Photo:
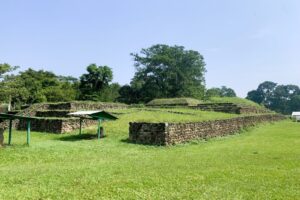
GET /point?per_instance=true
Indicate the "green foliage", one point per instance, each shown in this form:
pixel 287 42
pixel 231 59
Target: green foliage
pixel 164 71
pixel 176 115
pixel 220 92
pixel 235 100
pixel 13 90
pixel 129 95
pixel 258 164
pixel 32 86
pixel 109 93
pixel 174 101
pixel 3 108
pixel 92 83
pixel 5 68
pixel 280 98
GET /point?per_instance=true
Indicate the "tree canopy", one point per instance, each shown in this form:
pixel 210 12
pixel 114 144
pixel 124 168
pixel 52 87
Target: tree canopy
pixel 280 98
pixel 164 71
pixel 4 68
pixel 96 84
pixel 220 92
pixel 33 86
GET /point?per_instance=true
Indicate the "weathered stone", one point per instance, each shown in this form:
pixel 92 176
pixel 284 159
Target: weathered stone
pixel 230 108
pixel 53 117
pixel 174 133
pixel 1 137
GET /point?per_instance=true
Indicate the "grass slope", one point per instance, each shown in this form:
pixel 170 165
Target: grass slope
pixel 263 163
pixel 174 101
pixel 168 115
pixel 235 100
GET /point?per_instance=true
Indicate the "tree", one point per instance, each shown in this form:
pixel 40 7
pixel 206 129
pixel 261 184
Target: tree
pixel 4 68
pixel 263 94
pixel 109 93
pixel 280 98
pixel 32 86
pixel 129 95
pixel 220 92
pixel 294 103
pixel 92 83
pixel 36 83
pixel 13 90
pixel 168 71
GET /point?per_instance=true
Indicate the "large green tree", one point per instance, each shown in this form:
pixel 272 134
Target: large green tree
pixel 164 71
pixel 95 82
pixel 280 98
pixel 33 86
pixel 5 68
pixel 220 92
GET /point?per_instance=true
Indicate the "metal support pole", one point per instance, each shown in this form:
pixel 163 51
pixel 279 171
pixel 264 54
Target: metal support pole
pixel 80 128
pixel 99 126
pixel 28 132
pixel 9 131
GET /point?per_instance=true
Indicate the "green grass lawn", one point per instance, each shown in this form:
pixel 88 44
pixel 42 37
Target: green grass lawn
pixel 167 115
pixel 174 101
pixel 262 163
pixel 235 100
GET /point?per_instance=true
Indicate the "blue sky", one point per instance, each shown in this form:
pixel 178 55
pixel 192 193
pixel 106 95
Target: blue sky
pixel 244 42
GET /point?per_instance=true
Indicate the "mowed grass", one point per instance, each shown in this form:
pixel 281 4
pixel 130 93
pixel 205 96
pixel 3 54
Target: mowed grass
pixel 261 163
pixel 235 100
pixel 168 115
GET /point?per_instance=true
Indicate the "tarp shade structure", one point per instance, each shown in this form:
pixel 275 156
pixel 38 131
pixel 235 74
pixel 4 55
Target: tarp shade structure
pixel 98 115
pixel 296 115
pixel 11 117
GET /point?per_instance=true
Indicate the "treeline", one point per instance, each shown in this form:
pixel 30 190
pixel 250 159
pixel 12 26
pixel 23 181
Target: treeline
pixel 280 98
pixel 162 71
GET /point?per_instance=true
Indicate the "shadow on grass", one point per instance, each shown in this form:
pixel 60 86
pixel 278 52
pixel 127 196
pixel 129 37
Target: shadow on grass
pixel 72 138
pixel 141 144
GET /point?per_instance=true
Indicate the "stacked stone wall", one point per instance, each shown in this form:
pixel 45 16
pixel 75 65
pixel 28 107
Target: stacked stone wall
pixel 55 125
pixel 174 133
pixel 53 117
pixel 230 108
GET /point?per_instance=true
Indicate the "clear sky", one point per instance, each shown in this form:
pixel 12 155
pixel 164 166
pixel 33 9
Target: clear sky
pixel 244 42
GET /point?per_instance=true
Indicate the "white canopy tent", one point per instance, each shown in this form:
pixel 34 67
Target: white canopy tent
pixel 296 116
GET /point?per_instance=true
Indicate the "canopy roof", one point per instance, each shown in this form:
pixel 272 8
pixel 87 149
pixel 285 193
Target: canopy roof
pixel 95 114
pixel 296 114
pixel 10 116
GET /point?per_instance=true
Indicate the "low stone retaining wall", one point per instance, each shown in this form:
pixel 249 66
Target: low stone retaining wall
pixel 55 125
pixel 230 108
pixel 174 133
pixel 52 113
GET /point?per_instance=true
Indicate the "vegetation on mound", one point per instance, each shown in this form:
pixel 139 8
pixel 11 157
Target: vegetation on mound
pixel 174 101
pixel 259 164
pixel 170 115
pixel 235 100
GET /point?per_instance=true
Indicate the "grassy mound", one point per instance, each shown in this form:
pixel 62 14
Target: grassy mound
pixel 174 101
pixel 158 115
pixel 235 100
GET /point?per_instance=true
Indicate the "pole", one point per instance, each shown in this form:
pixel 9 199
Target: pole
pixel 99 125
pixel 80 126
pixel 9 131
pixel 28 132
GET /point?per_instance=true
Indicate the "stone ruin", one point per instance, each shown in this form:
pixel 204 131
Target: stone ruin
pixel 231 108
pixel 174 133
pixel 54 118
